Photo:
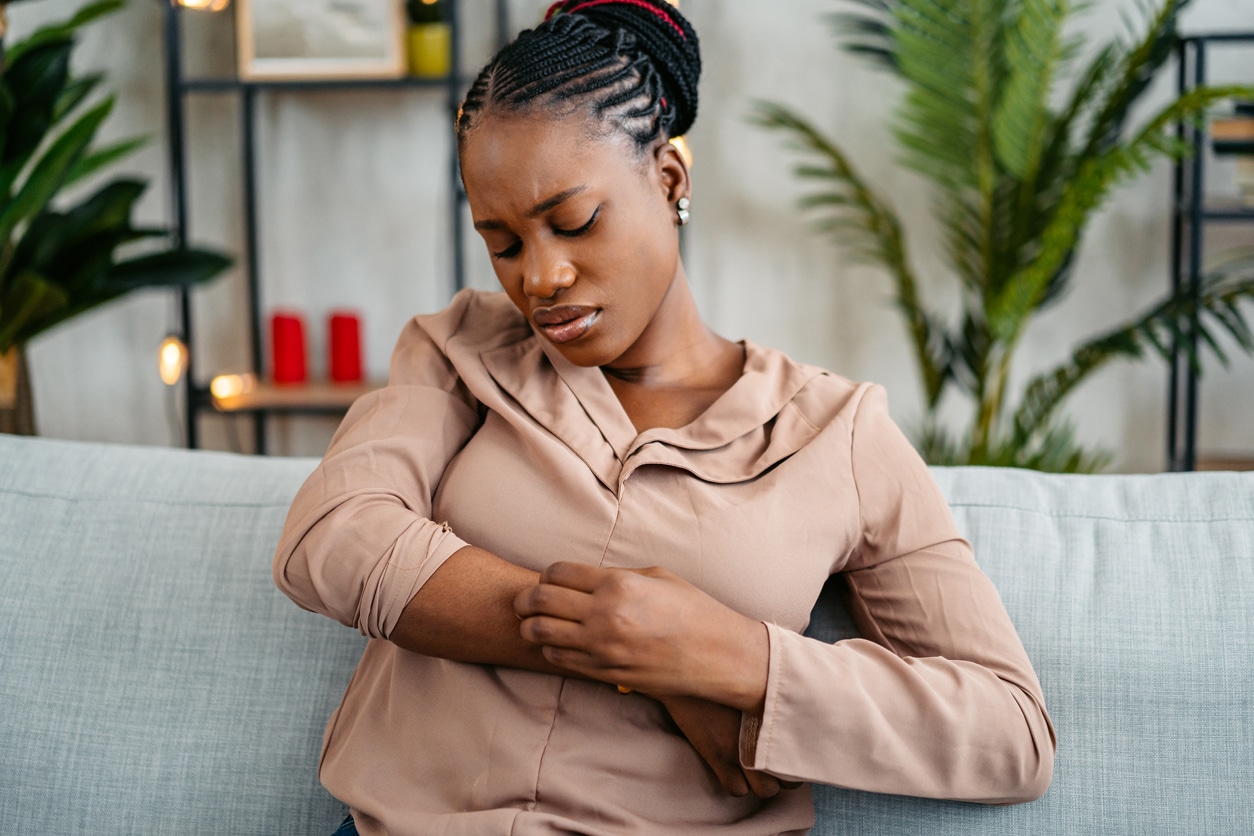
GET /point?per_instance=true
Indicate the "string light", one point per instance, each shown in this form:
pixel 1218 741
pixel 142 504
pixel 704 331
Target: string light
pixel 172 360
pixel 226 386
pixel 203 5
pixel 684 151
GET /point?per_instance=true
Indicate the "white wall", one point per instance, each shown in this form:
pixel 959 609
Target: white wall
pixel 353 191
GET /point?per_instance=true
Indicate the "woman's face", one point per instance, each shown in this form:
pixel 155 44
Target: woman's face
pixel 581 231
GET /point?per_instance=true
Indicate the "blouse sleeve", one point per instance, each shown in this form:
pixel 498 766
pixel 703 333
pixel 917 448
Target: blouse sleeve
pixel 938 699
pixel 359 540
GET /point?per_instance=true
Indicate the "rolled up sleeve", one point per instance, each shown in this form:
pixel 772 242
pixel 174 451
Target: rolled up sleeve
pixel 359 540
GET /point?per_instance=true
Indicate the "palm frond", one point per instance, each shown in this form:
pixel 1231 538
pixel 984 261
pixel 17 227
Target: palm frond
pixel 1034 52
pixel 865 223
pixel 1216 308
pixel 1008 312
pixel 1135 71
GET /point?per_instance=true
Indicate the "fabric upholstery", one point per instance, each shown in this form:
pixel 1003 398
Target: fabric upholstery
pixel 153 681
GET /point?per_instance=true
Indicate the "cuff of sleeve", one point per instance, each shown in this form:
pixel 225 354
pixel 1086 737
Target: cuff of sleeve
pixel 441 545
pixel 752 727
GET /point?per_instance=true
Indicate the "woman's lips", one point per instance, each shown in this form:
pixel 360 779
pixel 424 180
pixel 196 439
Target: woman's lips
pixel 564 323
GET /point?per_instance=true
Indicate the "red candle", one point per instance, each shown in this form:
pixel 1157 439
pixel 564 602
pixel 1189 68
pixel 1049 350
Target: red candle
pixel 345 329
pixel 287 348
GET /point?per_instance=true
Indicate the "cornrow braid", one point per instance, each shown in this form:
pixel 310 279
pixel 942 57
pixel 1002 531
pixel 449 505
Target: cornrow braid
pixel 634 64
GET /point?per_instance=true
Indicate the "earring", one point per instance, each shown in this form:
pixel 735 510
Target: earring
pixel 682 208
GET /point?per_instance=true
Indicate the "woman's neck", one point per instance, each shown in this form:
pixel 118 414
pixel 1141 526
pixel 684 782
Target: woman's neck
pixel 677 368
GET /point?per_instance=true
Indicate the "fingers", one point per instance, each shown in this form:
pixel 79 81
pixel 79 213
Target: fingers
pixel 761 784
pixel 577 576
pixel 547 599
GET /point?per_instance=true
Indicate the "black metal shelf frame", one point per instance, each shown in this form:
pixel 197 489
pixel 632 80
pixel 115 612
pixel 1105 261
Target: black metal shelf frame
pixel 1190 214
pixel 179 86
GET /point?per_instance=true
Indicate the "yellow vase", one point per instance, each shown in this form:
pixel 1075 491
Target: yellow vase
pixel 429 45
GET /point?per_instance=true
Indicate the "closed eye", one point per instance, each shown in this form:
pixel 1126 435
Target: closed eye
pixel 510 251
pixel 575 233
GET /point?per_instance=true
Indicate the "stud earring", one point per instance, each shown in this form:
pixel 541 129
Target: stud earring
pixel 682 209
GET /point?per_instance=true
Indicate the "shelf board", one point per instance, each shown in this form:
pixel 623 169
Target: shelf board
pixel 1226 462
pixel 321 397
pixel 1230 210
pixel 229 84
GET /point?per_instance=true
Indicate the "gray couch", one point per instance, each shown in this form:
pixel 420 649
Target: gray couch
pixel 153 681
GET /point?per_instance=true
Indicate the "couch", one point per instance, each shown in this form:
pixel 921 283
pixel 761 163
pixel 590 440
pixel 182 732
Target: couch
pixel 153 681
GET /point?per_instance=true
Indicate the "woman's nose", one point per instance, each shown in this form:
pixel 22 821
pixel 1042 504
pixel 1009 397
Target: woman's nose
pixel 547 272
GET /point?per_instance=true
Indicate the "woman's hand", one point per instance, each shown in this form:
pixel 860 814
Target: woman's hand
pixel 648 630
pixel 714 731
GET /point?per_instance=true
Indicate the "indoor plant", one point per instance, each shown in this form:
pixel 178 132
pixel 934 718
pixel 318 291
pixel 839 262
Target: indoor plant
pixel 1015 180
pixel 59 254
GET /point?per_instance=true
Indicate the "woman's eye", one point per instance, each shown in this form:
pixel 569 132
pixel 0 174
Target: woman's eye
pixel 573 233
pixel 510 251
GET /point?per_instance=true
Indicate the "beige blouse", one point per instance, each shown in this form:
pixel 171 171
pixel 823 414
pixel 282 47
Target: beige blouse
pixel 485 435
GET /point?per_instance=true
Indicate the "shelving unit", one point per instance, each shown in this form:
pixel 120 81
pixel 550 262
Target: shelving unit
pixel 1191 213
pixel 267 399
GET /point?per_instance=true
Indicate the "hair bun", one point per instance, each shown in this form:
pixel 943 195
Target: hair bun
pixel 664 35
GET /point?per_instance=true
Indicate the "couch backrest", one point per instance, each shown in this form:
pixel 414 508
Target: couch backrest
pixel 153 681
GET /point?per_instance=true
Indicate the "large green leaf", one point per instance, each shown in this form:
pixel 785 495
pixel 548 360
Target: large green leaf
pixel 170 268
pixel 63 30
pixel 36 80
pixel 29 299
pixel 73 247
pixel 75 93
pixel 101 158
pixel 49 173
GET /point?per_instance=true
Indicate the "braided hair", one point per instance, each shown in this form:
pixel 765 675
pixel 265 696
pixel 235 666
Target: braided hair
pixel 633 65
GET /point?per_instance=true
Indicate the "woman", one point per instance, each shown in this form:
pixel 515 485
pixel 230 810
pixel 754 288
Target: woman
pixel 584 532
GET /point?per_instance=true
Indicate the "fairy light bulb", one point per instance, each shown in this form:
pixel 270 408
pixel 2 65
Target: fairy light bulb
pixel 172 360
pixel 226 386
pixel 684 150
pixel 202 5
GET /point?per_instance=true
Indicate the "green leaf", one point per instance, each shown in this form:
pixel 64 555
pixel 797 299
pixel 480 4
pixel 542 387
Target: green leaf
pixel 75 92
pixel 49 173
pixel 36 79
pixel 102 158
pixel 1034 52
pixel 171 268
pixel 73 247
pixel 63 30
pixel 30 298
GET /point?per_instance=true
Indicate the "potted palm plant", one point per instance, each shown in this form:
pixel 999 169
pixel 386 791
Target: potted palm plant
pixel 1021 144
pixel 63 255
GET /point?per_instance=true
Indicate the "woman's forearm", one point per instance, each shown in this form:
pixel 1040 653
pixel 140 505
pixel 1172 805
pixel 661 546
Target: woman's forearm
pixel 464 612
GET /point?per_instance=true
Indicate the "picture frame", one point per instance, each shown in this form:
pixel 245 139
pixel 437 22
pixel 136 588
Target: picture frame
pixel 290 40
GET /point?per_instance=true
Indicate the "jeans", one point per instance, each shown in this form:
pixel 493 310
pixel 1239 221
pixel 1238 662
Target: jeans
pixel 347 828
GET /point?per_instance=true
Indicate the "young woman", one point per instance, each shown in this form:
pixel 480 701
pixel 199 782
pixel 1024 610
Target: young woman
pixel 584 532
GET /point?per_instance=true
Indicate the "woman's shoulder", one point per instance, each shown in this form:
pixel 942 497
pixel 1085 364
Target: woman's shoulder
pixel 476 318
pixel 820 395
pixel 475 321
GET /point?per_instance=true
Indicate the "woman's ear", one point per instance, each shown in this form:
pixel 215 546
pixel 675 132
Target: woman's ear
pixel 672 171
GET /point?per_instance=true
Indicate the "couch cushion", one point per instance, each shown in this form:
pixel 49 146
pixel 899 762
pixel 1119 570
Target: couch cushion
pixel 1134 596
pixel 130 578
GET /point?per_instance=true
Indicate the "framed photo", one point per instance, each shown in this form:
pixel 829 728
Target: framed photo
pixel 320 39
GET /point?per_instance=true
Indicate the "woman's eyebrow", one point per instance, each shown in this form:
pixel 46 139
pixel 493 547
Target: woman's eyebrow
pixel 539 209
pixel 548 203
